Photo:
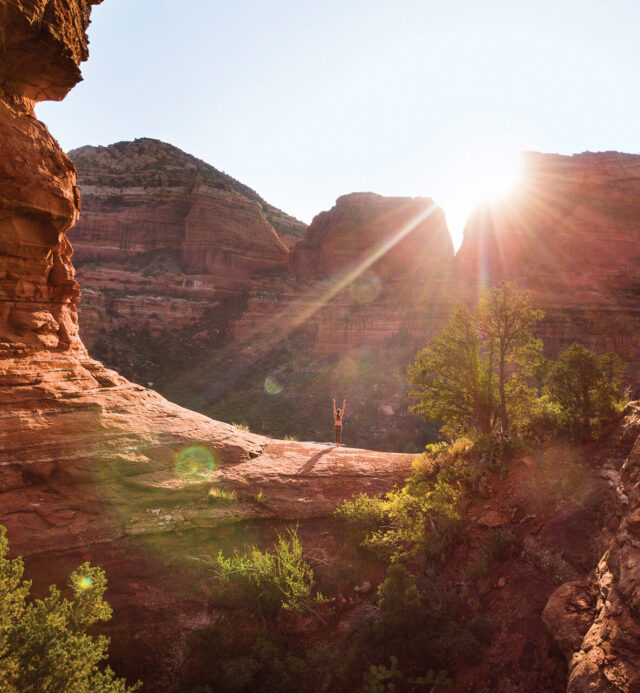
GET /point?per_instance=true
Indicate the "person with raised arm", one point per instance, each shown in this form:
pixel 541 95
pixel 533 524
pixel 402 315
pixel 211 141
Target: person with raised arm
pixel 338 415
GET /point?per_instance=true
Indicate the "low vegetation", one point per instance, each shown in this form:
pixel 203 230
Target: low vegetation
pixel 48 645
pixel 218 496
pixel 271 580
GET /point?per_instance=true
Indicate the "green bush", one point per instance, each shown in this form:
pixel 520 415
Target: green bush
pixel 270 668
pixel 403 523
pixel 271 580
pixel 477 371
pixel 425 623
pixel 44 643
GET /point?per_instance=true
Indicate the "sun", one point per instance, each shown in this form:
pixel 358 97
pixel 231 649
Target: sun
pixel 485 173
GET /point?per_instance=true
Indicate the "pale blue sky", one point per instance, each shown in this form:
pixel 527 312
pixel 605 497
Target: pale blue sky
pixel 305 101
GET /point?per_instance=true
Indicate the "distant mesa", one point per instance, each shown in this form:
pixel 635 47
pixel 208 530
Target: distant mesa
pixel 170 230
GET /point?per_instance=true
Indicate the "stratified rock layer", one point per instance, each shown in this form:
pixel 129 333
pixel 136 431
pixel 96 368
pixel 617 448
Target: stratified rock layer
pixel 41 44
pixel 571 236
pixel 93 467
pixel 147 199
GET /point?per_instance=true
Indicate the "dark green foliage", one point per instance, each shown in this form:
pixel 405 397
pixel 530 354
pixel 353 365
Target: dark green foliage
pixel 382 679
pixel 271 668
pixel 499 542
pixel 44 644
pixel 425 624
pixel 271 580
pixel 586 389
pixel 496 548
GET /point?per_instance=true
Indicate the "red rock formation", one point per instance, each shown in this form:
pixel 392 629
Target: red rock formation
pixel 93 467
pixel 396 237
pixel 368 268
pixel 146 194
pixel 147 197
pixel 42 44
pixel 597 625
pixel 571 236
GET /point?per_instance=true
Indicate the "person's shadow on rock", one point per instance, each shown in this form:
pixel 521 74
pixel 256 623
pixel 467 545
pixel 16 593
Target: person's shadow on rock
pixel 311 462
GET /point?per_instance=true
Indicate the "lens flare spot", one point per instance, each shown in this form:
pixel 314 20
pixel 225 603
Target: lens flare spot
pixel 272 386
pixel 194 464
pixel 365 288
pixel 85 583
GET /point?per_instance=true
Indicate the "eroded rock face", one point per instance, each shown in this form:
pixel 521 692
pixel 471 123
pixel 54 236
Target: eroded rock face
pixel 571 236
pixel 368 268
pixel 169 230
pixel 396 237
pixel 40 48
pixel 601 637
pixel 93 467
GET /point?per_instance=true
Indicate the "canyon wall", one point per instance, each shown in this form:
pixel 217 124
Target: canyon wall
pixel 163 236
pixel 93 467
pixel 570 234
pixel 395 237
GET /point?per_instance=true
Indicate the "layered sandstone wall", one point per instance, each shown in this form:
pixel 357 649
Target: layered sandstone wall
pixel 368 268
pixel 572 225
pixel 395 237
pixel 146 204
pixel 570 235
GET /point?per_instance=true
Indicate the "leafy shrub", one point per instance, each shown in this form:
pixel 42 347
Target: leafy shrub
pixel 44 644
pixel 269 668
pixel 271 580
pixel 498 543
pixel 587 388
pixel 380 679
pixel 400 524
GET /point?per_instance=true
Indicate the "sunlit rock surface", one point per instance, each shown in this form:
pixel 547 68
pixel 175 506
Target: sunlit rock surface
pixel 162 236
pixel 93 467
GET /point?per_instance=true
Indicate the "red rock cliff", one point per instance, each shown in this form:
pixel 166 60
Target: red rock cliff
pixel 571 236
pixel 93 467
pixel 163 236
pixel 41 45
pixel 396 237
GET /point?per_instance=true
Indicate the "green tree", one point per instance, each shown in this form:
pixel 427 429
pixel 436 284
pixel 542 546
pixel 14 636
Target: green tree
pixel 586 387
pixel 44 644
pixel 476 372
pixel 506 319
pixel 452 377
